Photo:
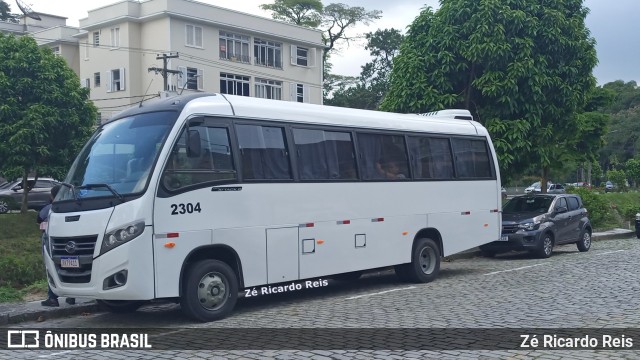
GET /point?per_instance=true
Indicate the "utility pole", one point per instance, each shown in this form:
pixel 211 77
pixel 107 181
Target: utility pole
pixel 164 71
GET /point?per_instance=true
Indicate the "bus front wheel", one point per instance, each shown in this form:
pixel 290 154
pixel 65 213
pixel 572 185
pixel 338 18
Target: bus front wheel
pixel 425 262
pixel 210 291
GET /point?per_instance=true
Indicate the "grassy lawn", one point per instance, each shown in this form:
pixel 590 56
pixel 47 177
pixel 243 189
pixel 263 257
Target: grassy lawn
pixel 622 209
pixel 22 273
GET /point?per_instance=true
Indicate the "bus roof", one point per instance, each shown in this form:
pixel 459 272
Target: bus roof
pixel 445 122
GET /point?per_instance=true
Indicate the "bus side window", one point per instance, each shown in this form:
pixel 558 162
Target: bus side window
pixel 431 157
pixel 383 157
pixel 214 162
pixel 263 152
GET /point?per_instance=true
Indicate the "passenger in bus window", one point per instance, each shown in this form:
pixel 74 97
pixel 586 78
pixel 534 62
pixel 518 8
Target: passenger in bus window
pixel 389 169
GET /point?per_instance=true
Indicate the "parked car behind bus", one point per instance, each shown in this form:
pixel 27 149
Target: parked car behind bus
pixel 11 193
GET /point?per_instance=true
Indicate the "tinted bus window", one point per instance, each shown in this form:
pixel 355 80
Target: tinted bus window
pixel 383 157
pixel 214 163
pixel 324 155
pixel 431 158
pixel 471 158
pixel 263 152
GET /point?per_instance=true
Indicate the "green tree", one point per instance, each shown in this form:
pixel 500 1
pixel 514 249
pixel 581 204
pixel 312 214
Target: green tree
pixel 632 169
pixel 523 67
pixel 45 116
pixel 334 19
pixel 618 177
pixel 300 12
pixel 372 85
pixel 5 13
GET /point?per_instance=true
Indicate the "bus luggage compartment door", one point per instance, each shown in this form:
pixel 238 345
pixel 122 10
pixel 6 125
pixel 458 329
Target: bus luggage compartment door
pixel 282 255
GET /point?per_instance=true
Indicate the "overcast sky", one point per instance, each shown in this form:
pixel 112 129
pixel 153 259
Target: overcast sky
pixel 614 24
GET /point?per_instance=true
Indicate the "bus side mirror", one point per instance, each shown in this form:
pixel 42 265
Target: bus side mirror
pixel 194 147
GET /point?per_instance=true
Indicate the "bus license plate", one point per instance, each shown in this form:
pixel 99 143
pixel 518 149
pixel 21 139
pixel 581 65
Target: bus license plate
pixel 69 262
pixel 504 238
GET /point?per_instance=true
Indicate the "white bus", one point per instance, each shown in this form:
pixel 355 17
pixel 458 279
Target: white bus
pixel 204 197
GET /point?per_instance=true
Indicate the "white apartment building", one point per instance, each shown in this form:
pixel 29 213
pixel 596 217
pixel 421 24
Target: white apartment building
pixel 218 50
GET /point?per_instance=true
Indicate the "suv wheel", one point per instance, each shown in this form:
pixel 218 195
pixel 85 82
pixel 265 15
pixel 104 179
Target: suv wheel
pixel 585 241
pixel 546 246
pixel 4 206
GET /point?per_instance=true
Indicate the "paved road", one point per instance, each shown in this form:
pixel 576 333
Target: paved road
pixel 597 289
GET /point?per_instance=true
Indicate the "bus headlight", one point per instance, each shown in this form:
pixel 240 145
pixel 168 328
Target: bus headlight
pixel 119 236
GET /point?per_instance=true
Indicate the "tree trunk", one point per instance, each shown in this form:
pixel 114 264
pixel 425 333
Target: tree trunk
pixel 543 181
pixel 25 192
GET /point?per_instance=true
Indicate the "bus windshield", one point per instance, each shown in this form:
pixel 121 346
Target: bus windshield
pixel 118 158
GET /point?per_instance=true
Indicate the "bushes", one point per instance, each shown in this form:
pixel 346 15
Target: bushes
pixel 599 210
pixel 20 271
pixel 609 210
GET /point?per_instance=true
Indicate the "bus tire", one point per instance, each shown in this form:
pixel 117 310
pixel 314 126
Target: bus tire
pixel 425 261
pixel 119 306
pixel 210 291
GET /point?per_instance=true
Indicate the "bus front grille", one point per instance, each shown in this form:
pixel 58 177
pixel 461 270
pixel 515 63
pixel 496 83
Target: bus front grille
pixel 81 247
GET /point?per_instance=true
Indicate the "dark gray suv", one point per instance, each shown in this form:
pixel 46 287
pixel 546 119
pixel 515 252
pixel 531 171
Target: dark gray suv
pixel 538 222
pixel 40 194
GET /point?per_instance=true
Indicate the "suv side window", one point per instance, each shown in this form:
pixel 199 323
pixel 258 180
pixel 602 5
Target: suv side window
pixel 573 203
pixel 561 203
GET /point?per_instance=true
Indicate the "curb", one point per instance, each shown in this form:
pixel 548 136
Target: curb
pixel 475 252
pixel 16 317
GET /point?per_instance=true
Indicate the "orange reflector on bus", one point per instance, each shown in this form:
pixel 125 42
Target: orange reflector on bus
pixel 170 245
pixel 486 225
pixel 495 210
pixel 173 235
pixel 306 225
pixel 343 222
pixel 377 220
pixel 465 213
pixel 320 242
pixel 405 233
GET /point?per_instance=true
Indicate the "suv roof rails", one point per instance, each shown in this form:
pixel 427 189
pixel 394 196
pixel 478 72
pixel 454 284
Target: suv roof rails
pixel 460 114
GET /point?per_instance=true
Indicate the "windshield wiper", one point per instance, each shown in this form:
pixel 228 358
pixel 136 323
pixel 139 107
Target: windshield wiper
pixel 73 190
pixel 106 186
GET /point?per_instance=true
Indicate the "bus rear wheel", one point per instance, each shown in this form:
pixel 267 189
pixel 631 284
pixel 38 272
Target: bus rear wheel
pixel 120 306
pixel 425 262
pixel 210 291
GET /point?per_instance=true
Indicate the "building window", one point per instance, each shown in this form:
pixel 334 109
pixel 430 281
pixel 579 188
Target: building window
pixel 96 38
pixel 302 56
pixel 115 37
pixel 234 47
pixel 99 119
pixel 268 53
pixel 86 83
pixel 190 78
pixel 299 93
pixel 234 84
pixel 56 50
pixel 194 35
pixel 268 89
pixel 116 80
pixel 96 79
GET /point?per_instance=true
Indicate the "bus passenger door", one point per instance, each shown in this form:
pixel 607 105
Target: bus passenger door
pixel 282 255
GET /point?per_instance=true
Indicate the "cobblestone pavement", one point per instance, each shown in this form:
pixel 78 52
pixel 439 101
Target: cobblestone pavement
pixel 598 289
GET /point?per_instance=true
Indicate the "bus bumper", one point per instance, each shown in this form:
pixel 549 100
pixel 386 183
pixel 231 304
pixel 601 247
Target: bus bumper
pixel 123 273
